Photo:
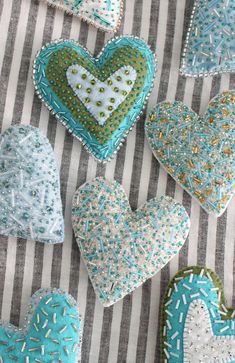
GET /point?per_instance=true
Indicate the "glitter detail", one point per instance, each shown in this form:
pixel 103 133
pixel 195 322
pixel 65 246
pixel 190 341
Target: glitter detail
pixel 101 92
pixel 44 336
pixel 210 44
pixel 202 330
pixel 121 248
pixel 198 152
pixel 105 15
pixel 30 203
pixel 50 67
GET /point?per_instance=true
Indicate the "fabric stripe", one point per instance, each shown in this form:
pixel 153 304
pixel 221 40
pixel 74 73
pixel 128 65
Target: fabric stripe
pixel 128 331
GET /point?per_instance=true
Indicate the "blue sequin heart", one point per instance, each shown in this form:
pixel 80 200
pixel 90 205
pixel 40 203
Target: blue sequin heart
pixel 121 248
pixel 198 152
pixel 65 78
pixel 52 332
pixel 30 203
pixel 196 325
pixel 210 42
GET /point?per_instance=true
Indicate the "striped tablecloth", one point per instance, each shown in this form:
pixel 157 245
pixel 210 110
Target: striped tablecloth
pixel 128 331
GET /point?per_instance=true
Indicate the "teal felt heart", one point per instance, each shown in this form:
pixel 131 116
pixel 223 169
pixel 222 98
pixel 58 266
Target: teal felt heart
pixel 196 326
pixel 97 99
pixel 198 152
pixel 30 203
pixel 210 42
pixel 103 14
pixel 122 248
pixel 52 332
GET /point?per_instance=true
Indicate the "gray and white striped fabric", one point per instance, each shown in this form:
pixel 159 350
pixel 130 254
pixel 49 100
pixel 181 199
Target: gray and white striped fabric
pixel 128 331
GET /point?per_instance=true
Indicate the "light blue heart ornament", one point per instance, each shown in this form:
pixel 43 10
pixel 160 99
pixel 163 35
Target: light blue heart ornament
pixel 122 248
pixel 196 326
pixel 198 152
pixel 210 41
pixel 52 332
pixel 30 203
pixel 97 99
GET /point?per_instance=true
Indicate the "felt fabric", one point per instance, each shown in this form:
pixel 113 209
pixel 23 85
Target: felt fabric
pixel 128 331
pixel 52 330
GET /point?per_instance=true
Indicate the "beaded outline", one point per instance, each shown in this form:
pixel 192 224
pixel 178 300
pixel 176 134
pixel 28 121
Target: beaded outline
pixel 66 124
pixel 141 282
pixel 196 270
pixel 175 179
pixel 90 21
pixel 183 67
pixel 32 305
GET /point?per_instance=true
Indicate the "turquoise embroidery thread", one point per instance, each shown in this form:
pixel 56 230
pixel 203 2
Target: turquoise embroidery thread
pixel 101 152
pixel 53 331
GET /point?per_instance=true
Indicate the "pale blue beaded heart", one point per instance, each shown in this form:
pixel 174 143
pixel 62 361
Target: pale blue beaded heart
pixel 30 202
pixel 196 326
pixel 210 42
pixel 52 332
pixel 122 248
pixel 103 14
pixel 198 152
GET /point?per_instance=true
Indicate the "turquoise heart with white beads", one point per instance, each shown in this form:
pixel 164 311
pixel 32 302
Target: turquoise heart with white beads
pixel 52 332
pixel 196 326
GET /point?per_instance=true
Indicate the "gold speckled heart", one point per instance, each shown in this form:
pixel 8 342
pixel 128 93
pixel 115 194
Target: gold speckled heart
pixel 198 152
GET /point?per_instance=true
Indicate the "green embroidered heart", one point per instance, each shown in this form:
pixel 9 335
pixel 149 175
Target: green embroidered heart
pixel 104 133
pixel 120 247
pixel 198 152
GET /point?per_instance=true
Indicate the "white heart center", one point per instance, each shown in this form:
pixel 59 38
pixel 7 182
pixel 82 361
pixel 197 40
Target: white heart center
pixel 101 98
pixel 200 343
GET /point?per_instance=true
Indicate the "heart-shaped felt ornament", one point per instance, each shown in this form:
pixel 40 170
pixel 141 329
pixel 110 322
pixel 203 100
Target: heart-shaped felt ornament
pixel 30 203
pixel 210 42
pixel 103 14
pixel 52 332
pixel 198 152
pixel 122 248
pixel 196 326
pixel 97 99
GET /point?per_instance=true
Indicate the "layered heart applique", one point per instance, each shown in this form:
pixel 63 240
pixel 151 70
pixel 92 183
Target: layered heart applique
pixel 210 42
pixel 97 99
pixel 103 14
pixel 30 203
pixel 52 332
pixel 196 325
pixel 198 152
pixel 122 248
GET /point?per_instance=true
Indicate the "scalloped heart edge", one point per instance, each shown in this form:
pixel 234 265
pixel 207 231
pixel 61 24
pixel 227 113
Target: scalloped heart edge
pixel 183 67
pixel 186 272
pixel 88 20
pixel 48 106
pixel 34 300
